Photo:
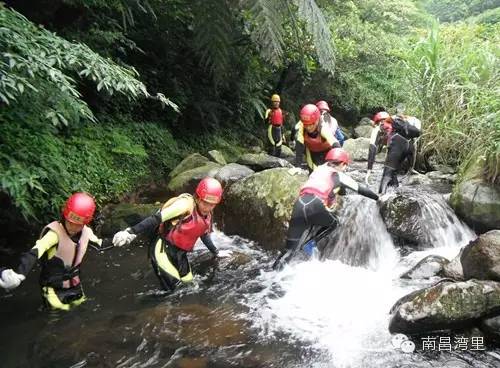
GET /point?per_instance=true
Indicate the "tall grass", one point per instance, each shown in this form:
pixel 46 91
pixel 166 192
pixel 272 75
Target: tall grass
pixel 455 87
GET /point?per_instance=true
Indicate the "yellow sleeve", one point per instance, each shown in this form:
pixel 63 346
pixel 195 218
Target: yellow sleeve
pixel 300 132
pixel 181 206
pixel 49 240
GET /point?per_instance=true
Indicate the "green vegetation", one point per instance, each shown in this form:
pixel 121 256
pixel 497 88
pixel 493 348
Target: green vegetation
pixel 83 103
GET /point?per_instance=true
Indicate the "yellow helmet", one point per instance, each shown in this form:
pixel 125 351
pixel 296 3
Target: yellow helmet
pixel 275 98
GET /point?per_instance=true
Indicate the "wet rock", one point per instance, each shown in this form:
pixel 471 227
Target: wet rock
pixel 357 148
pixel 481 257
pixel 402 214
pixel 491 328
pixel 454 270
pixel 232 172
pixel 186 181
pixel 445 306
pixel 190 162
pixel 428 267
pixel 418 179
pixel 262 161
pixel 475 200
pixel 259 206
pixel 217 157
pixel 438 176
pixel 363 131
pixel 200 362
pixel 124 215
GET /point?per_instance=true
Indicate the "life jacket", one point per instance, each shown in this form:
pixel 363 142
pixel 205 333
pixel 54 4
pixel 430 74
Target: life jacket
pixel 317 143
pixel 275 117
pixel 183 232
pixel 63 269
pixel 321 184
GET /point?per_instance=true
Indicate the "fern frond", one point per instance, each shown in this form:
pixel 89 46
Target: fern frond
pixel 318 27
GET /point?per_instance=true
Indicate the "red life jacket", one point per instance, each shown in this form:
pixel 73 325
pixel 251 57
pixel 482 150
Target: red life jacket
pixel 316 144
pixel 276 117
pixel 185 233
pixel 321 184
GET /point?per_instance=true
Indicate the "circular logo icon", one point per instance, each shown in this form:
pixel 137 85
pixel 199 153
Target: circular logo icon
pixel 398 339
pixel 408 346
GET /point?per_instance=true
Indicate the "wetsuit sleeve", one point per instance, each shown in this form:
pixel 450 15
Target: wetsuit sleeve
pixel 178 208
pixel 348 182
pixel 207 240
pixel 147 225
pixel 28 259
pixel 372 150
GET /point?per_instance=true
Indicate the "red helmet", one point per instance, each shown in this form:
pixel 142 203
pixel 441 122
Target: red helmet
pixel 209 190
pixel 322 105
pixel 382 115
pixel 79 209
pixel 337 155
pixel 309 114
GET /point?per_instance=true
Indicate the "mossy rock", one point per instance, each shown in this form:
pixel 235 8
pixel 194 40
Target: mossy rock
pixel 190 162
pixel 259 206
pixel 186 181
pixel 217 157
pixel 446 306
pixel 475 200
pixel 124 215
pixel 262 161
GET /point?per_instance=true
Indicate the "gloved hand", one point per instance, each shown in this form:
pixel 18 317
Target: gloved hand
pixel 123 237
pixel 367 177
pixel 10 280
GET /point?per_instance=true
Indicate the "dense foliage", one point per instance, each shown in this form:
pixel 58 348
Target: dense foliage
pixel 81 94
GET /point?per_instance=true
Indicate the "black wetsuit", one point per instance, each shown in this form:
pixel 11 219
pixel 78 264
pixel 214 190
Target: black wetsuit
pixel 400 148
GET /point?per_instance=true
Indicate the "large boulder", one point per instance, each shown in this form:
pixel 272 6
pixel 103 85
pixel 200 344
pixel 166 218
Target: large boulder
pixel 357 148
pixel 190 162
pixel 262 161
pixel 445 306
pixel 481 257
pixel 232 172
pixel 259 206
pixel 475 200
pixel 186 181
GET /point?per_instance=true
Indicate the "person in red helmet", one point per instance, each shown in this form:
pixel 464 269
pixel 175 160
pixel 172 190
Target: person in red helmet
pixel 380 137
pixel 60 250
pixel 329 121
pixel 318 200
pixel 312 138
pixel 177 226
pixel 274 117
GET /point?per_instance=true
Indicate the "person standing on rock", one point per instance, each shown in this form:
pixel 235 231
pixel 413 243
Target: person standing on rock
pixel 178 225
pixel 318 200
pixel 329 121
pixel 60 250
pixel 380 136
pixel 400 149
pixel 415 122
pixel 312 138
pixel 274 118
